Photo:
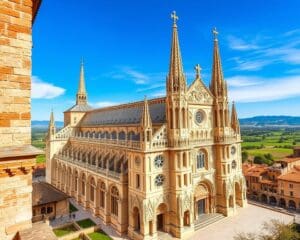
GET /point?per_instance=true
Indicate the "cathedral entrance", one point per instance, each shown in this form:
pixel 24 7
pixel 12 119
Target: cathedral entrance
pixel 201 206
pixel 203 200
pixel 160 222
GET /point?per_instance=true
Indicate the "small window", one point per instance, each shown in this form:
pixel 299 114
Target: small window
pixel 291 185
pixel 185 180
pixel 137 181
pixel 43 210
pixel 282 192
pixel 49 209
pixel 291 194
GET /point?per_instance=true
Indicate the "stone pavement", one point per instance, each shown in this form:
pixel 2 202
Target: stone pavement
pixel 83 214
pixel 249 219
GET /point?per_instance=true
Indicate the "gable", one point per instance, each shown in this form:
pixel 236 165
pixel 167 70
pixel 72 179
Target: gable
pixel 198 93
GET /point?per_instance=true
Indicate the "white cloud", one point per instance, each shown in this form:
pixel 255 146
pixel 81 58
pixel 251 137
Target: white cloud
pixel 267 89
pixel 242 81
pixel 44 90
pixel 161 93
pixel 138 77
pixel 104 104
pixel 239 44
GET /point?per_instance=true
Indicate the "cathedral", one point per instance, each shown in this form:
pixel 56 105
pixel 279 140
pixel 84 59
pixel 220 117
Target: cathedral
pixel 157 165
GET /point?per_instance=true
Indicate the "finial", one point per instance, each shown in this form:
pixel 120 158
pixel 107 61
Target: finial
pixel 215 33
pixel 198 69
pixel 82 61
pixel 174 17
pixel 145 97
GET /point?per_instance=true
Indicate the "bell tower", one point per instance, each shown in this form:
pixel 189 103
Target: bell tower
pixel 180 170
pixel 227 143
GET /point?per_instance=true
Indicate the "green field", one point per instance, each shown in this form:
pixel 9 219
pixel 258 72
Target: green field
pixel 278 142
pixel 38 140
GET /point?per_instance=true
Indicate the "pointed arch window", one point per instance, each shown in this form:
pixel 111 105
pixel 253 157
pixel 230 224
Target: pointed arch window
pixel 201 158
pixel 114 201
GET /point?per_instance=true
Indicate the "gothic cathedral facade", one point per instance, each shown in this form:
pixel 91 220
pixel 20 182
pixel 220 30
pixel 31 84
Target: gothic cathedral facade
pixel 154 165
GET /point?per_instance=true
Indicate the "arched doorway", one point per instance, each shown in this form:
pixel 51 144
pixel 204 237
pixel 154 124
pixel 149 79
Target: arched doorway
pixel 136 219
pixel 282 203
pixel 238 195
pixel 202 200
pixel 264 198
pixel 272 201
pixel 161 217
pixel 292 205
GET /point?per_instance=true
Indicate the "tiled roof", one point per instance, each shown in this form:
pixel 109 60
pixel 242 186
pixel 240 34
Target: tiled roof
pixel 79 108
pixel 290 159
pixel 293 176
pixel 254 170
pixel 43 193
pixel 126 114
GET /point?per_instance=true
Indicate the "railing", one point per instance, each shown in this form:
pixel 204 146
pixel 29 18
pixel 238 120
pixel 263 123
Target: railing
pixel 126 143
pixel 93 168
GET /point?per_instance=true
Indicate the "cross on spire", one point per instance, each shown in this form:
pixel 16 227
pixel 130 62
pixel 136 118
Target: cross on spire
pixel 215 33
pixel 174 17
pixel 198 69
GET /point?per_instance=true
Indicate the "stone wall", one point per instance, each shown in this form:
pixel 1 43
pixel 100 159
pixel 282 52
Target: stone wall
pixel 15 71
pixel 15 199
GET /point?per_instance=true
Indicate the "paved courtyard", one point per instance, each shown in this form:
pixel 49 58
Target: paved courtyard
pixel 248 219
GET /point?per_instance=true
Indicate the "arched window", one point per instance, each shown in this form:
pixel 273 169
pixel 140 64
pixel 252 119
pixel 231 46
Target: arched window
pixel 114 200
pixel 102 195
pixel 83 185
pixel 76 181
pixel 92 189
pixel 200 160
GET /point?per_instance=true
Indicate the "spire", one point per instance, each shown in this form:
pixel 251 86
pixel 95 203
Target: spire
pixel 176 78
pixel 51 123
pixel 218 86
pixel 234 119
pixel 146 121
pixel 81 93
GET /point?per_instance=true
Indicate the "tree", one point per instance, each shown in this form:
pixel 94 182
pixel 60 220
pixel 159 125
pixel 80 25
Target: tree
pixel 258 159
pixel 245 156
pixel 273 230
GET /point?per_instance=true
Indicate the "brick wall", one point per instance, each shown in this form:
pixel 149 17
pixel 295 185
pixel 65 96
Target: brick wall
pixel 15 71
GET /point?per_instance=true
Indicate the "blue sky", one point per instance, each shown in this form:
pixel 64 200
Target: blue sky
pixel 126 47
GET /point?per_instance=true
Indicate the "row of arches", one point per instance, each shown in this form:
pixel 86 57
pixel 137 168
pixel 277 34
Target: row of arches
pixel 95 193
pixel 113 135
pixel 111 160
pixel 281 202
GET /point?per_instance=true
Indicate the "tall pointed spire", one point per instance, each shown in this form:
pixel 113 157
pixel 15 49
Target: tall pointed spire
pixel 52 128
pixel 176 78
pixel 218 86
pixel 81 96
pixel 146 121
pixel 234 119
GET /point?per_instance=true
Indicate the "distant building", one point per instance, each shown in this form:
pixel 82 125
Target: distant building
pixel 153 165
pixel 277 185
pixel 17 156
pixel 48 202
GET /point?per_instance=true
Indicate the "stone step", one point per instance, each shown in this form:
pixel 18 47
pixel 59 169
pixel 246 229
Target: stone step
pixel 208 219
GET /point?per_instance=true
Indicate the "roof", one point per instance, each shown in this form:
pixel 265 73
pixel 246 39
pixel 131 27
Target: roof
pixel 254 170
pixel 290 159
pixel 19 151
pixel 43 193
pixel 79 108
pixel 126 114
pixel 293 176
